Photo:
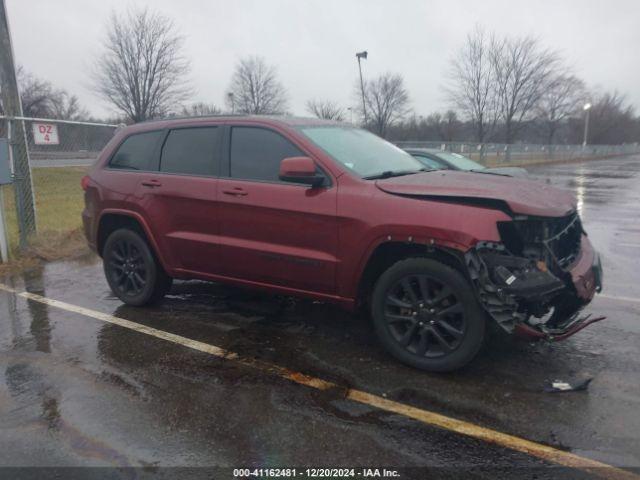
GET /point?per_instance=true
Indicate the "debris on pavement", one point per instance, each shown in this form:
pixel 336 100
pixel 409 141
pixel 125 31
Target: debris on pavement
pixel 559 386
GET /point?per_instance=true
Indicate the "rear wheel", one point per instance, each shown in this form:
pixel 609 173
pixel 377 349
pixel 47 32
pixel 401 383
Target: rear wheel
pixel 132 271
pixel 426 315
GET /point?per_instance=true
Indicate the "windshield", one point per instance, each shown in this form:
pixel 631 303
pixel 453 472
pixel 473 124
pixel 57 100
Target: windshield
pixel 460 161
pixel 362 152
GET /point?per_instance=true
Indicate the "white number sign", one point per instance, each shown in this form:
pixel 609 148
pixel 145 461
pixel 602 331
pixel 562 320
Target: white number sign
pixel 45 134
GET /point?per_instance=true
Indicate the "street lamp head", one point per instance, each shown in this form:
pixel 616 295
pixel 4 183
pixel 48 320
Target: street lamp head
pixel 587 106
pixel 362 55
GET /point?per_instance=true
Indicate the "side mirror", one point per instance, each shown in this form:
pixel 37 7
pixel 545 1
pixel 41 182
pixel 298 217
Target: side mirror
pixel 300 170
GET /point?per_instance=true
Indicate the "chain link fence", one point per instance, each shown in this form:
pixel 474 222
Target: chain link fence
pixel 501 154
pixel 58 153
pixel 48 171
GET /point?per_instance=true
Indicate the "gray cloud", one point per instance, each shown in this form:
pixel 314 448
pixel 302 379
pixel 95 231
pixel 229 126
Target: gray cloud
pixel 313 42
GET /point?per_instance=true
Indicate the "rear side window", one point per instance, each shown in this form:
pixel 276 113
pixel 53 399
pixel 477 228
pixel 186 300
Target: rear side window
pixel 136 151
pixel 256 153
pixel 190 151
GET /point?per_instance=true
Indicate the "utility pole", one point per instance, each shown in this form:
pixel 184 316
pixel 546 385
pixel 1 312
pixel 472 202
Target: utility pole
pixel 360 55
pixel 585 138
pixel 12 106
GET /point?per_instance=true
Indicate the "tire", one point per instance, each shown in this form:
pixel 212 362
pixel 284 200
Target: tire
pixel 134 274
pixel 426 315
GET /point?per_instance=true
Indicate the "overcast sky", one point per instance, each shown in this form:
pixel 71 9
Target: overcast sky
pixel 313 42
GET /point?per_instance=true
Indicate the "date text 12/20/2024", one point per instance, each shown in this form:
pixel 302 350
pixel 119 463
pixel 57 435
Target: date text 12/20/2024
pixel 315 473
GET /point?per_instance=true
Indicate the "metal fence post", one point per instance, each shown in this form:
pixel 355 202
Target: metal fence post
pixel 4 177
pixel 23 186
pixel 18 140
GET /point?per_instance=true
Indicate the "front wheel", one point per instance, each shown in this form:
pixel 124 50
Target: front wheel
pixel 132 271
pixel 426 315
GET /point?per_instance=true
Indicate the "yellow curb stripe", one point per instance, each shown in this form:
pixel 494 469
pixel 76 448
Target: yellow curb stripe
pixel 426 417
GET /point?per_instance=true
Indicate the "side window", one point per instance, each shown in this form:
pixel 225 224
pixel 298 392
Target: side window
pixel 136 151
pixel 256 153
pixel 428 161
pixel 190 151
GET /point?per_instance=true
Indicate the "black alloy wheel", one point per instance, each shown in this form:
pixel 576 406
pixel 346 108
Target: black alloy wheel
pixel 425 314
pixel 127 268
pixel 132 271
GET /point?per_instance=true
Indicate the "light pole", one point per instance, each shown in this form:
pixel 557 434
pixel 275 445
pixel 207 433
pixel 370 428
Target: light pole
pixel 233 106
pixel 360 55
pixel 586 108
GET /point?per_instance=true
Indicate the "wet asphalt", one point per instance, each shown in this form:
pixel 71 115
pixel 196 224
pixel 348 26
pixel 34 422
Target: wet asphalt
pixel 77 392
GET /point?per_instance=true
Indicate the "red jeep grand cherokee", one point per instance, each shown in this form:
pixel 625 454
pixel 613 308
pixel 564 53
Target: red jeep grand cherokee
pixel 328 211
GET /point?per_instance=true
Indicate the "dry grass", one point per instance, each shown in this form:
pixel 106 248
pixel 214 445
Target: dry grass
pixel 59 204
pixel 54 246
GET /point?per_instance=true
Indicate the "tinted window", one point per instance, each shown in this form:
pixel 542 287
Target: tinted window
pixel 428 161
pixel 136 151
pixel 460 161
pixel 256 153
pixel 190 151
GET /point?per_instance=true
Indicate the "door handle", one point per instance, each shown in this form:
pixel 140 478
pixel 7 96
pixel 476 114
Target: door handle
pixel 236 192
pixel 151 183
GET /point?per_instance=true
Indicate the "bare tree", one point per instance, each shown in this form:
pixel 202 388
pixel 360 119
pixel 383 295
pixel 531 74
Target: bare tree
pixel 255 88
pixel 41 99
pixel 522 70
pixel 447 126
pixel 325 109
pixel 386 101
pixel 142 71
pixel 200 109
pixel 562 97
pixel 35 94
pixel 472 84
pixel 611 119
pixel 67 107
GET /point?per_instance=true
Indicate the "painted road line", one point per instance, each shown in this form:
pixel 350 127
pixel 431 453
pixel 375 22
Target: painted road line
pixel 426 417
pixel 617 298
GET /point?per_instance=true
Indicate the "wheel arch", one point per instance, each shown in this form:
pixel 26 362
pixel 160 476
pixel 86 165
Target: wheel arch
pixel 387 253
pixel 112 220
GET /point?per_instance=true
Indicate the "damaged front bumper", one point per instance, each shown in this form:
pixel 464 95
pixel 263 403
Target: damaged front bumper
pixel 536 299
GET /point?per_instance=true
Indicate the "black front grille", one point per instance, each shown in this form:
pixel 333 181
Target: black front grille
pixel 554 239
pixel 565 236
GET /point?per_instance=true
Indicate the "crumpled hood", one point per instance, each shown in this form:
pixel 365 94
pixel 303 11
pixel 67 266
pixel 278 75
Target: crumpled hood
pixel 522 196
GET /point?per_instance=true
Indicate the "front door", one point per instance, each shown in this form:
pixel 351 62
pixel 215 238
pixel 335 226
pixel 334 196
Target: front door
pixel 274 232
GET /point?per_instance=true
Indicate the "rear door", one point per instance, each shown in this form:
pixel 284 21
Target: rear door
pixel 180 198
pixel 132 162
pixel 271 231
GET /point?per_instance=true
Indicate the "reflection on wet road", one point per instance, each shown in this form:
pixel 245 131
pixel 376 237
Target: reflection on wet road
pixel 77 391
